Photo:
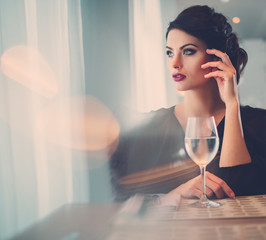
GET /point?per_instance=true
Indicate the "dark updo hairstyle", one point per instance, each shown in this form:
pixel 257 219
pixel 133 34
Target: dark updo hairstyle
pixel 212 28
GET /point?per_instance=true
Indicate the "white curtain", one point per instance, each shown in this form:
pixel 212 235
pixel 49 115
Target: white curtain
pixel 147 55
pixel 41 86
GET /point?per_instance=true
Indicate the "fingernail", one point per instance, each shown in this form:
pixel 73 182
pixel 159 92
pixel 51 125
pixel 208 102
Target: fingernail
pixel 232 195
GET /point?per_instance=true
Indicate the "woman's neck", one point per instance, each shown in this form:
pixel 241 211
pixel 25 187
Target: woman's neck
pixel 200 102
pixel 203 101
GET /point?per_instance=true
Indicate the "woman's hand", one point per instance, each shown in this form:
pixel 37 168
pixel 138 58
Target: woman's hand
pixel 214 187
pixel 224 73
pixel 234 149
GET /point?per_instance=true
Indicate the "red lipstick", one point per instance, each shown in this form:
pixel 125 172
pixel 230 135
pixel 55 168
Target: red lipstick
pixel 178 77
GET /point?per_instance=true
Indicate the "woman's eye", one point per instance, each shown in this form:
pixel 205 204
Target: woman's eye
pixel 169 53
pixel 189 51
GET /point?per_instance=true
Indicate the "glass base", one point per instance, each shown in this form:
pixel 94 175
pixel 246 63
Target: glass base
pixel 205 204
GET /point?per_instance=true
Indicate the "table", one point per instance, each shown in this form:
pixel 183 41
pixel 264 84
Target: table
pixel 240 218
pixel 90 221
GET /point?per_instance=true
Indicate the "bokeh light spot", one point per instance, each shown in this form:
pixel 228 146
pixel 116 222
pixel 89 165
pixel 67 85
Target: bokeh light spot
pixel 81 123
pixel 236 20
pixel 28 67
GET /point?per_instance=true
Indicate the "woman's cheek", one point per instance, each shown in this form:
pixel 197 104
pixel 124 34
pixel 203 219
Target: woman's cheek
pixel 207 70
pixel 169 64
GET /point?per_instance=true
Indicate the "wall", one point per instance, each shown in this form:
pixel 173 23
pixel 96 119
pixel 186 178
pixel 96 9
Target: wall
pixel 252 85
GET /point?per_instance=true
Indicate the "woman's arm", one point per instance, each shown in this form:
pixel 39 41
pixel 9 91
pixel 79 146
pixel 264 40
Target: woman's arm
pixel 234 150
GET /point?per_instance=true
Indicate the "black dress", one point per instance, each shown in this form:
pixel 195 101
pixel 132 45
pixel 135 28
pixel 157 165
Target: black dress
pixel 151 156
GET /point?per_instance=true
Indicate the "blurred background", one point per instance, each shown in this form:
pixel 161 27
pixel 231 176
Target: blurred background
pixel 68 69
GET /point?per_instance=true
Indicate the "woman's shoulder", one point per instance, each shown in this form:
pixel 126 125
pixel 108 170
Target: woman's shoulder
pixel 162 112
pixel 254 120
pixel 249 112
pixel 157 118
pixel 248 108
pixel 134 121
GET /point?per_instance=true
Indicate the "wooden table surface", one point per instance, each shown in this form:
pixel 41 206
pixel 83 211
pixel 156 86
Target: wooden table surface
pixel 99 221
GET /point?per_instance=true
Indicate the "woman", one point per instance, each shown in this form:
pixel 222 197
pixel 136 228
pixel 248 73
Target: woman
pixel 205 61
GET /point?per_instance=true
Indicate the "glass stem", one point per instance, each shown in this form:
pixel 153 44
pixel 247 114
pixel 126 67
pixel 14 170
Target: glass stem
pixel 203 198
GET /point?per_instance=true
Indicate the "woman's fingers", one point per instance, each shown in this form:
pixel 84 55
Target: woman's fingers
pixel 220 70
pixel 218 73
pixel 195 193
pixel 213 186
pixel 219 65
pixel 208 191
pixel 218 186
pixel 190 189
pixel 223 56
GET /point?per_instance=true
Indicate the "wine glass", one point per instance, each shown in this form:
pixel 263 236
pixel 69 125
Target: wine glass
pixel 202 142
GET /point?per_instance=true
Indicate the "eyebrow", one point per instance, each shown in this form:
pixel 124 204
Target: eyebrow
pixel 188 44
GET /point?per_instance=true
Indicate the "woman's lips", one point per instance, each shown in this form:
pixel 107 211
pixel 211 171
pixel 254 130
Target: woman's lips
pixel 178 77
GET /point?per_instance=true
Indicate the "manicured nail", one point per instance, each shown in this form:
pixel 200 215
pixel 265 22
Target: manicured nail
pixel 232 195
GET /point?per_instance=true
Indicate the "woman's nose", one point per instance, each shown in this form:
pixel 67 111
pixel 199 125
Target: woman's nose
pixel 177 62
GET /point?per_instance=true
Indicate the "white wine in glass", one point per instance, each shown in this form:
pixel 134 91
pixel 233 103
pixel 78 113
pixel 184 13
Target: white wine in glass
pixel 202 143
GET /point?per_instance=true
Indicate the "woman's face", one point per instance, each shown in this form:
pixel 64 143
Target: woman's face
pixel 185 55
